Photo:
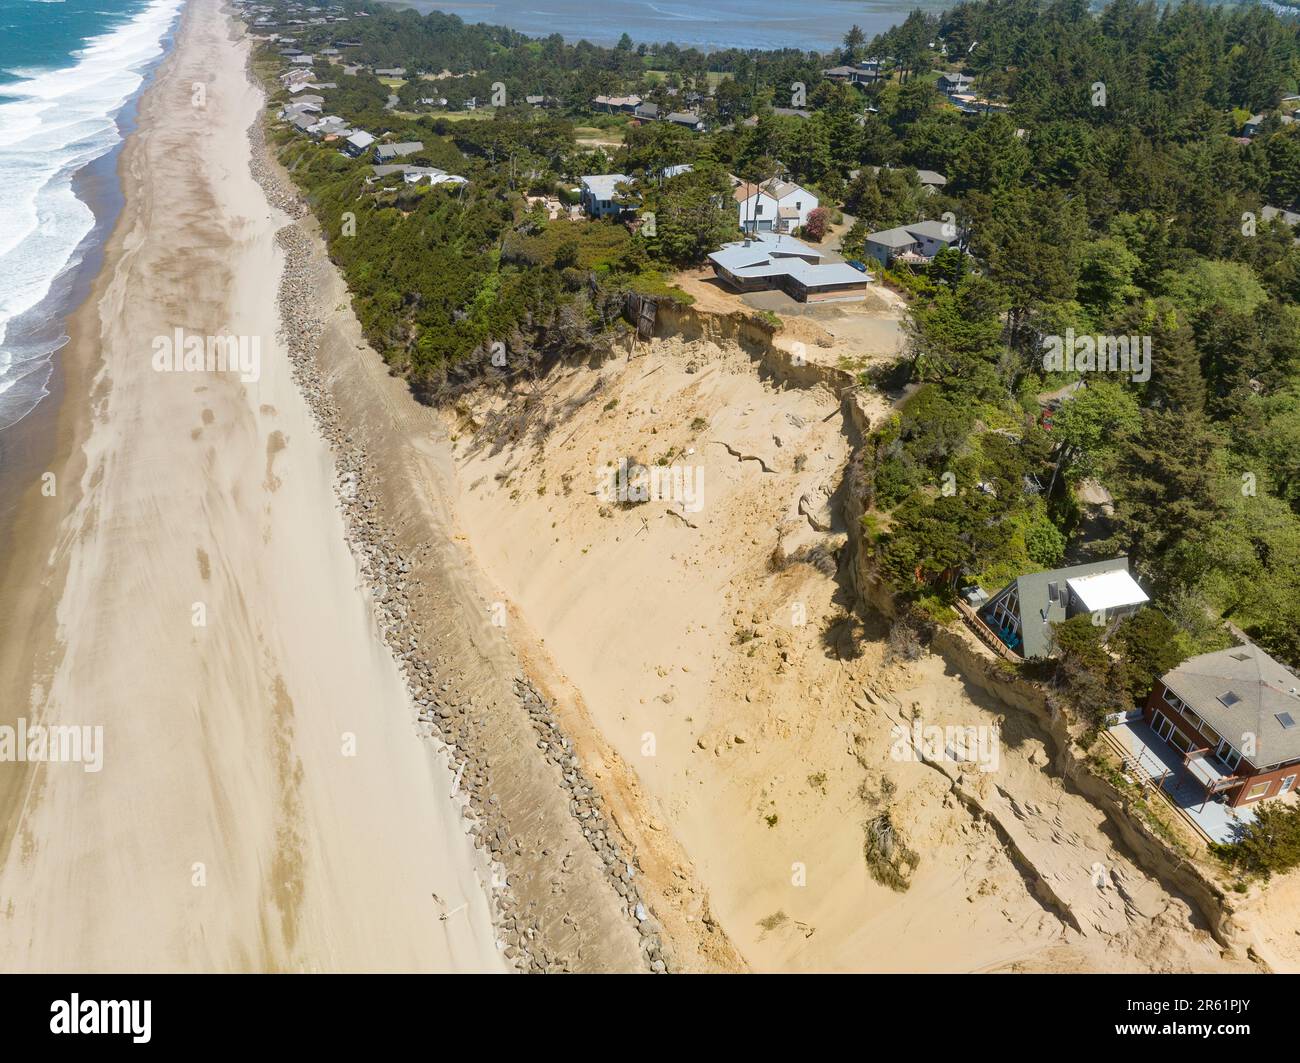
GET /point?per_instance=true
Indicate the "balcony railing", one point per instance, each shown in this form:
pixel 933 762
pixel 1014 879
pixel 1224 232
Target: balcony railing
pixel 986 633
pixel 1209 774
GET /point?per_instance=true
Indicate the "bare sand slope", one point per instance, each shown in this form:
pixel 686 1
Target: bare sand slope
pixel 714 649
pixel 264 801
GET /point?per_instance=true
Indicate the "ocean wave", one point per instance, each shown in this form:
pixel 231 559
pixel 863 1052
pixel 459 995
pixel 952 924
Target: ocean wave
pixel 53 122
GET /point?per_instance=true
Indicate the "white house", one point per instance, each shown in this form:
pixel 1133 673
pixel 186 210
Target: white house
pixel 773 206
pixel 793 203
pixel 598 191
pixel 413 175
pixel 755 208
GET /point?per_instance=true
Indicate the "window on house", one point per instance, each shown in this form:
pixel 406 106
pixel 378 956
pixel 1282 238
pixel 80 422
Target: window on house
pixel 1257 791
pixel 1227 756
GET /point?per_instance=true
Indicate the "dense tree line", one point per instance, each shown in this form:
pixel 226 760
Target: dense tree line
pixel 1114 196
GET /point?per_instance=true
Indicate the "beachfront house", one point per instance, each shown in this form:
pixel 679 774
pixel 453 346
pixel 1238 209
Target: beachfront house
pixel 413 175
pixel 1022 613
pixel 378 173
pixel 916 243
pixel 599 196
pixel 773 206
pixel 793 204
pixel 766 261
pixel 389 152
pixel 357 144
pixel 755 208
pixel 331 126
pixel 307 108
pixel 290 78
pixel 1233 716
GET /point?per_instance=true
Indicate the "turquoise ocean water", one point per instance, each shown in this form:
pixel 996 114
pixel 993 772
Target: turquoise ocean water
pixel 69 70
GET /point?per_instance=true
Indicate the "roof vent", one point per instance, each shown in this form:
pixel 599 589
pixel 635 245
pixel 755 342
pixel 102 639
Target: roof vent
pixel 1229 699
pixel 1286 720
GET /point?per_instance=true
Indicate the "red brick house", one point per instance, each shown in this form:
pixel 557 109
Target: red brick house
pixel 1234 717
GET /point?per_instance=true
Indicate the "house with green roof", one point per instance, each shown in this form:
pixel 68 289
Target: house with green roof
pixel 1021 615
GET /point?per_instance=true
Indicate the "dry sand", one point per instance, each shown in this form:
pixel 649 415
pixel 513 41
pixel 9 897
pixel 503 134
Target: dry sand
pixel 232 827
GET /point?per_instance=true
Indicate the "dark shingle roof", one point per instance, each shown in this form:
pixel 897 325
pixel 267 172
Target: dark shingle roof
pixel 1242 692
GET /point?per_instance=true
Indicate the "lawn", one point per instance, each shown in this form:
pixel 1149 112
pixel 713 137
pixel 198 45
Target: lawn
pixel 589 134
pixel 715 77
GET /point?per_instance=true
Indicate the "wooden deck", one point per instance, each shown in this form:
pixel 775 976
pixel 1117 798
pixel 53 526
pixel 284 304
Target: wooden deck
pixel 986 634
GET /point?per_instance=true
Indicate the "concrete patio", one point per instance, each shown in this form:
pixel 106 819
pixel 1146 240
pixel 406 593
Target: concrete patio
pixel 1184 786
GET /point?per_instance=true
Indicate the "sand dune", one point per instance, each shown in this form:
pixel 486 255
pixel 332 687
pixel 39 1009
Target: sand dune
pixel 264 801
pixel 713 648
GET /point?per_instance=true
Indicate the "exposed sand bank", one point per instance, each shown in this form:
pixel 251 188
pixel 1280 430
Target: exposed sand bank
pixel 265 802
pixel 759 717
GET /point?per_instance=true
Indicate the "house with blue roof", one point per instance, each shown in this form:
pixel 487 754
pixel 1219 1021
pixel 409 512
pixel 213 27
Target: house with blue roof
pixel 766 261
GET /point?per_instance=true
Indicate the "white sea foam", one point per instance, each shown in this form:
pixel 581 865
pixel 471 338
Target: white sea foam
pixel 52 123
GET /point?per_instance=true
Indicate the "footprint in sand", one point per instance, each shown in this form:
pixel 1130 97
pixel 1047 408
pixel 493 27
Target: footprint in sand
pixel 275 443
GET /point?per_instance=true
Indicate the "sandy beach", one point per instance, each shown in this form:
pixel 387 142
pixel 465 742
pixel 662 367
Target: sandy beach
pixel 369 685
pixel 264 801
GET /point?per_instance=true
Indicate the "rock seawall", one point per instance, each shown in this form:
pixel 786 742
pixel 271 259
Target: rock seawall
pixel 561 872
